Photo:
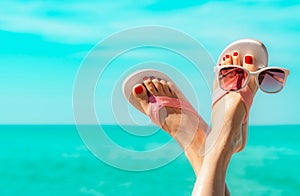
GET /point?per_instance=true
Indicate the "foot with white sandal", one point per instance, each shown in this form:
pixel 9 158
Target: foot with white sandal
pixel 241 70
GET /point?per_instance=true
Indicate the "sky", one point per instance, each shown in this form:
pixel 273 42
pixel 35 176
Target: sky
pixel 44 43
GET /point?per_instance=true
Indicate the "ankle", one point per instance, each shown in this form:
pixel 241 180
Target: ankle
pixel 223 148
pixel 229 137
pixel 227 146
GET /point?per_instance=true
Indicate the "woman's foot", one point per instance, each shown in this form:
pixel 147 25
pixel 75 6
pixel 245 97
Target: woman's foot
pixel 228 134
pixel 186 127
pixel 229 112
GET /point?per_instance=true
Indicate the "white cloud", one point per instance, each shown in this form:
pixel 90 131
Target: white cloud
pixel 76 22
pixel 84 22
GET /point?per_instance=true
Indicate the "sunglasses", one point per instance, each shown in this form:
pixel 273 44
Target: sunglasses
pixel 233 78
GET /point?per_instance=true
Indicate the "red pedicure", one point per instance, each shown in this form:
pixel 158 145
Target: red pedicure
pixel 223 58
pixel 219 64
pixel 227 56
pixel 248 59
pixel 138 89
pixel 235 53
pixel 152 77
pixel 145 78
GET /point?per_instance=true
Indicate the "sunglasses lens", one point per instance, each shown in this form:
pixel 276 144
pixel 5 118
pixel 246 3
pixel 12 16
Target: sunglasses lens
pixel 232 78
pixel 271 80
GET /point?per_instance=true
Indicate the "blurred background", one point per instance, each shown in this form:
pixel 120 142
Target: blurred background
pixel 43 44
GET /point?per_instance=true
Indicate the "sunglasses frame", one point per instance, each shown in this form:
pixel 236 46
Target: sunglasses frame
pixel 217 70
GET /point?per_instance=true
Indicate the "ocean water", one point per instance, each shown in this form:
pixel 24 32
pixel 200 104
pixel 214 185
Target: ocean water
pixel 53 160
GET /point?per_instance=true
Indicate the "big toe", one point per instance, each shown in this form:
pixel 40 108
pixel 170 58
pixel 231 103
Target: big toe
pixel 140 94
pixel 249 63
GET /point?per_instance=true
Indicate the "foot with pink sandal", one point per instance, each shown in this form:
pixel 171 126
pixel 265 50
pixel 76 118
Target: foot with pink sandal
pixel 154 94
pixel 241 70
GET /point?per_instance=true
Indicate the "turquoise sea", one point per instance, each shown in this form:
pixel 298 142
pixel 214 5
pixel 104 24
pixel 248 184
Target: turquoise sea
pixel 52 160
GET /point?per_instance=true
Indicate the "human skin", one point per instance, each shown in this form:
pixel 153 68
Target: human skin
pixel 228 134
pixel 227 123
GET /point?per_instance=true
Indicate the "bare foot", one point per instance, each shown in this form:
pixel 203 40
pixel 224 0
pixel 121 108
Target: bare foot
pixel 186 127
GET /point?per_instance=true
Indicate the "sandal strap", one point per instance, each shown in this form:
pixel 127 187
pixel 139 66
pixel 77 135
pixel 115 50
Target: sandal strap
pixel 156 103
pixel 246 96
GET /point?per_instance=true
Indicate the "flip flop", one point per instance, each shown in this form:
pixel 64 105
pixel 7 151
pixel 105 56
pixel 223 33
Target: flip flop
pixel 156 103
pixel 244 46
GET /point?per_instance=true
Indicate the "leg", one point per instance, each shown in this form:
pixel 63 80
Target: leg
pixel 227 120
pixel 188 129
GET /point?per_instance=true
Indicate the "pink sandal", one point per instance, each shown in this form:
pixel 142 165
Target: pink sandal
pixel 156 103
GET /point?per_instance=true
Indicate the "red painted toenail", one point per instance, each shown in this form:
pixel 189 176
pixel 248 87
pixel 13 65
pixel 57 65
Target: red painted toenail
pixel 152 77
pixel 248 59
pixel 227 56
pixel 223 58
pixel 145 78
pixel 235 53
pixel 219 64
pixel 138 89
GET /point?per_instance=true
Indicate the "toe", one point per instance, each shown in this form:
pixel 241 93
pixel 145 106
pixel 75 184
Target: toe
pixel 228 59
pixel 174 91
pixel 223 61
pixel 150 87
pixel 158 86
pixel 236 58
pixel 140 94
pixel 248 63
pixel 166 88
